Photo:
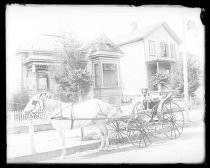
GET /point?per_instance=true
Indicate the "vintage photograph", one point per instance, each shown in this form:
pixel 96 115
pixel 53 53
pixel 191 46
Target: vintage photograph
pixel 105 84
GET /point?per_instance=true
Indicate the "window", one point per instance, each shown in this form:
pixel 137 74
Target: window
pixel 110 75
pixel 173 51
pixel 151 48
pixel 96 74
pixel 164 49
pixel 43 82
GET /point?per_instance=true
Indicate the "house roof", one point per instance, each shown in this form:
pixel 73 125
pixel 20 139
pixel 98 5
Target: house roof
pixel 44 42
pixel 102 43
pixel 140 34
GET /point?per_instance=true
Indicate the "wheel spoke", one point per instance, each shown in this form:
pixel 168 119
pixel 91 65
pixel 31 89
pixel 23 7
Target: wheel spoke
pixel 178 125
pixel 111 126
pixel 176 128
pixel 140 142
pixel 147 136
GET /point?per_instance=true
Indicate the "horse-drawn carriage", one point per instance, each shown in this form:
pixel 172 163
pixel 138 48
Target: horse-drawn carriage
pixel 139 128
pixel 165 117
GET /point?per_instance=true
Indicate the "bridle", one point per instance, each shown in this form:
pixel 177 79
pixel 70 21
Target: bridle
pixel 37 102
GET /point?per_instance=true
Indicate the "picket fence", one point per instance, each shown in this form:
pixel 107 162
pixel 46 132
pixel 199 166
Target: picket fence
pixel 18 118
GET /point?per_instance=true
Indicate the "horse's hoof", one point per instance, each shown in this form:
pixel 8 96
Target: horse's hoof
pixel 106 149
pixel 62 157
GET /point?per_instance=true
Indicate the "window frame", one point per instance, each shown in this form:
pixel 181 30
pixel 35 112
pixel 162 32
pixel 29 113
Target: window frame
pixel 173 51
pixel 47 79
pixel 150 48
pixel 166 48
pixel 94 72
pixel 102 75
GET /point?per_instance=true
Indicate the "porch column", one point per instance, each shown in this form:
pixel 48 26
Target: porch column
pixel 157 67
pixel 34 79
pixel 159 86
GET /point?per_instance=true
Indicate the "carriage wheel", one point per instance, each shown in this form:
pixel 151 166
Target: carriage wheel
pixel 139 130
pixel 154 126
pixel 172 120
pixel 117 131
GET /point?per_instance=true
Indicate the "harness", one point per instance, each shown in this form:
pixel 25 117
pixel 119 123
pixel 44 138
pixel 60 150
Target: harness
pixel 102 113
pixel 56 117
pixel 34 102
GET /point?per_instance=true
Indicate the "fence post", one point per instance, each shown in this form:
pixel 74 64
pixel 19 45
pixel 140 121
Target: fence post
pixel 12 119
pixel 82 133
pixel 31 134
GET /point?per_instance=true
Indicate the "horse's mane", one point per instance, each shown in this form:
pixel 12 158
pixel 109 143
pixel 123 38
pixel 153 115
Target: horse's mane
pixel 52 104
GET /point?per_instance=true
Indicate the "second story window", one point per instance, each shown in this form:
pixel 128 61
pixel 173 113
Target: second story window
pixel 164 49
pixel 173 51
pixel 151 48
pixel 110 75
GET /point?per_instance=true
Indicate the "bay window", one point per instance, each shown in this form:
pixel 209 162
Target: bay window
pixel 96 75
pixel 110 75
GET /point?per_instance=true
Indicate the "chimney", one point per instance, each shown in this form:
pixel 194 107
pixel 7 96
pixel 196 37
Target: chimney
pixel 134 26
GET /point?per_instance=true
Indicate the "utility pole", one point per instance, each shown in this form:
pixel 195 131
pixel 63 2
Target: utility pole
pixel 185 69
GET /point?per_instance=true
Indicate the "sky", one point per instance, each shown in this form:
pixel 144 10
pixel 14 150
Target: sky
pixel 26 22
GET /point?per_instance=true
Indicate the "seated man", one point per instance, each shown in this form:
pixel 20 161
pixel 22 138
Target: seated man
pixel 145 98
pixel 148 102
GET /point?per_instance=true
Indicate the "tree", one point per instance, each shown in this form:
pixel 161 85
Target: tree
pixel 71 73
pixel 161 79
pixel 18 101
pixel 177 78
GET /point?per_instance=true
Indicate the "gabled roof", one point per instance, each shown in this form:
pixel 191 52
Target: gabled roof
pixel 44 42
pixel 140 34
pixel 102 43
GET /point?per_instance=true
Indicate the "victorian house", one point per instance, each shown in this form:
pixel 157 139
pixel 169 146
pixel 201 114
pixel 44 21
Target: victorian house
pixel 119 66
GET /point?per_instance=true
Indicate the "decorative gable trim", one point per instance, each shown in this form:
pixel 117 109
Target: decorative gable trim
pixel 101 40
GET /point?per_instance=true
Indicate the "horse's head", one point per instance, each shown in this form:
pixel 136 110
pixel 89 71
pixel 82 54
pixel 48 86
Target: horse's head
pixel 36 102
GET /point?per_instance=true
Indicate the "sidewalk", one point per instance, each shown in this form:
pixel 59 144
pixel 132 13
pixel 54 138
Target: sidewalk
pixel 47 143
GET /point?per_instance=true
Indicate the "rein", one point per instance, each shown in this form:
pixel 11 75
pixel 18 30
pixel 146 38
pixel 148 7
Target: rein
pixel 102 111
pixel 56 117
pixel 35 102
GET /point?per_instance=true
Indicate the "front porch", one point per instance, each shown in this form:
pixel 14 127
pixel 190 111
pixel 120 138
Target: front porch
pixel 156 67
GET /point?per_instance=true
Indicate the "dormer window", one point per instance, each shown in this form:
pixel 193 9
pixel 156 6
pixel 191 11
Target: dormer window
pixel 164 49
pixel 151 48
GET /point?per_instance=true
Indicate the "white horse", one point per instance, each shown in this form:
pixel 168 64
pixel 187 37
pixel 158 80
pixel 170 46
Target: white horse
pixel 90 112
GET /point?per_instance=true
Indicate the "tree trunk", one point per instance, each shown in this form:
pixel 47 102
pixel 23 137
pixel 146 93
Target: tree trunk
pixel 82 128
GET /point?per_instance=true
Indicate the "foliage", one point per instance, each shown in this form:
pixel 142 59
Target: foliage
pixel 18 101
pixel 161 79
pixel 71 73
pixel 177 77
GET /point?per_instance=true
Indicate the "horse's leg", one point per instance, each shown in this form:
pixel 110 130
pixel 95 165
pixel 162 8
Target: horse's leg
pixel 105 132
pixel 62 138
pixel 98 123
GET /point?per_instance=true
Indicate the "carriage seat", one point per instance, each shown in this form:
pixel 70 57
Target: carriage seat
pixel 159 109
